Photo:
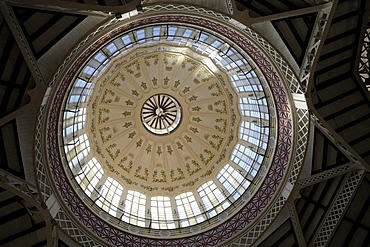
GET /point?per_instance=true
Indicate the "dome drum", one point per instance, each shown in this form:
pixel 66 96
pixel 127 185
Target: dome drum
pixel 173 126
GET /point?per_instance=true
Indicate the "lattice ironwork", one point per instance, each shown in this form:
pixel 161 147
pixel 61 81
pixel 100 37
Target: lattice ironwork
pixel 74 231
pixel 63 220
pixel 45 191
pixel 230 6
pixel 338 207
pixel 251 236
pixel 31 194
pixel 326 175
pixel 330 136
pixel 364 64
pixel 302 130
pixel 43 183
pixel 302 138
pixel 20 185
pixel 314 44
pixel 191 9
pixel 295 87
pixel 25 47
pixel 296 224
pixel 287 73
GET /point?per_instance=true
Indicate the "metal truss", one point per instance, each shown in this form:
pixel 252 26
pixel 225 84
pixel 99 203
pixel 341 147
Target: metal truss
pixel 315 44
pixel 364 65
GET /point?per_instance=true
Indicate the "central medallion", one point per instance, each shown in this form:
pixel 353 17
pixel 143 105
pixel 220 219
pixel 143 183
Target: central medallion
pixel 161 114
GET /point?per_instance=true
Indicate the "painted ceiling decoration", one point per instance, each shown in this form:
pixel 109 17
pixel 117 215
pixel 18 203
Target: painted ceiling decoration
pixel 180 151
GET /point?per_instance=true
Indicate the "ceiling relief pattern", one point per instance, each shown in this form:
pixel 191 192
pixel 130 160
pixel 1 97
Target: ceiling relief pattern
pixel 163 161
pixel 268 175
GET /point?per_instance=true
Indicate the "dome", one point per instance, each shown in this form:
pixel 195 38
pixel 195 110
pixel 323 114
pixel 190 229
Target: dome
pixel 173 126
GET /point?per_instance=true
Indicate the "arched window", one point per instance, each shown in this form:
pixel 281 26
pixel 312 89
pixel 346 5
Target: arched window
pixel 161 213
pixel 90 175
pixel 110 196
pixel 74 121
pixel 188 209
pixel 233 181
pixel 76 150
pixel 134 209
pixel 254 134
pixel 212 198
pixel 247 159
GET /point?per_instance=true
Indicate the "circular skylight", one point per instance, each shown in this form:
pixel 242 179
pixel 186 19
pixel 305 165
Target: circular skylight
pixel 161 114
pixel 169 128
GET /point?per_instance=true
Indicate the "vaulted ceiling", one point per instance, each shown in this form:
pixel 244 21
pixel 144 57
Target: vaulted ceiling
pixel 321 40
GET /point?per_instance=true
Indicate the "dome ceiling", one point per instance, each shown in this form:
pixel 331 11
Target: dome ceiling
pixel 170 127
pixel 40 41
pixel 40 44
